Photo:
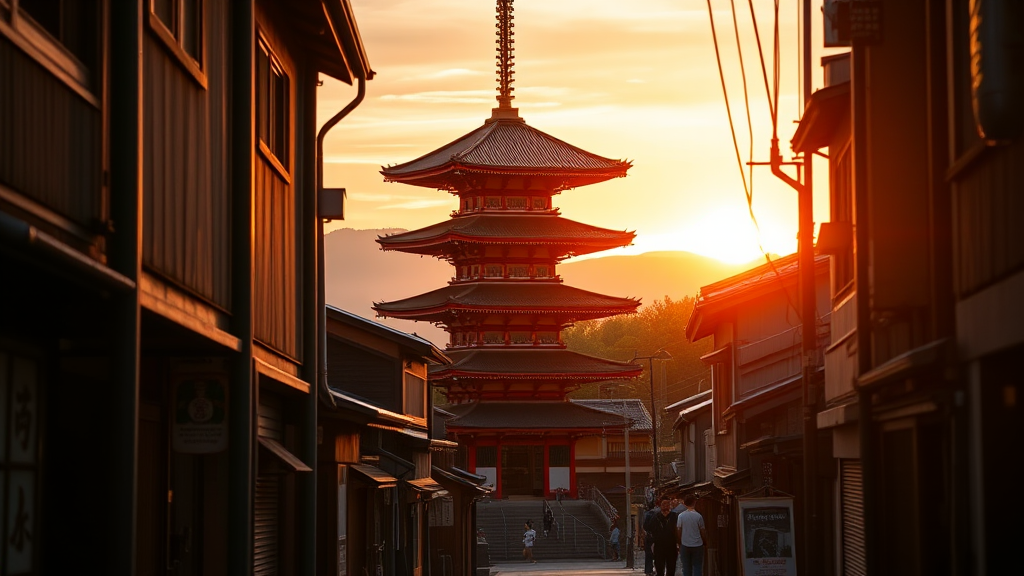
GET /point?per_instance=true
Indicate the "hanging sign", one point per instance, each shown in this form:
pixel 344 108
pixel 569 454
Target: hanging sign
pixel 767 537
pixel 199 423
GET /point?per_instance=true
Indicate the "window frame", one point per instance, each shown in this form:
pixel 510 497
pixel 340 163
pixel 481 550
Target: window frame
pixel 172 39
pixel 18 26
pixel 267 149
pixel 407 398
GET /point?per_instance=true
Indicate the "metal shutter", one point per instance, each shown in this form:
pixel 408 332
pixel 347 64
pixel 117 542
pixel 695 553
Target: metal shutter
pixel 265 558
pixel 852 495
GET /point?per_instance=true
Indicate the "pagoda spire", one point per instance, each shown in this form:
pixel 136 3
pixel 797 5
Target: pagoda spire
pixel 506 61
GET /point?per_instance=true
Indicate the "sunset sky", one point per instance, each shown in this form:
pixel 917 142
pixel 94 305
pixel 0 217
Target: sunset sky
pixel 634 80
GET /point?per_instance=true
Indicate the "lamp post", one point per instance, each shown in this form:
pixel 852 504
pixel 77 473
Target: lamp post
pixel 661 354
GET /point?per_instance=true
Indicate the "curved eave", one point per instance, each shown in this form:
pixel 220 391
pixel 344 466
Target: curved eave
pixel 443 377
pixel 443 313
pixel 443 245
pixel 443 177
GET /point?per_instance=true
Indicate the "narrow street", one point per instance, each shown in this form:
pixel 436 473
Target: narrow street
pixel 581 568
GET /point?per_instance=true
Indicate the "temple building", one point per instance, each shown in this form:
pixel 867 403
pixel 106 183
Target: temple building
pixel 506 307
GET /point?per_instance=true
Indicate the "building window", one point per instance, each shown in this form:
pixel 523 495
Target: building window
pixel 540 203
pixel 842 211
pixel 415 395
pixel 494 271
pixel 516 202
pixel 542 271
pixel 558 456
pixel 179 24
pixel 67 35
pixel 519 271
pixel 486 456
pixel 521 337
pixel 492 202
pixel 273 108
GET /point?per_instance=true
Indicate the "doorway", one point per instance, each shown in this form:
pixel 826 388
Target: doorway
pixel 522 470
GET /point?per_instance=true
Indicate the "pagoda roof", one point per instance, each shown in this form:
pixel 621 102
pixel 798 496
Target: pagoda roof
pixel 503 297
pixel 534 416
pixel 531 364
pixel 507 229
pixel 506 147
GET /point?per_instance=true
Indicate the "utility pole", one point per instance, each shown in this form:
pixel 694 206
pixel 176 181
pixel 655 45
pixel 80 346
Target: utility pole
pixel 629 498
pixel 804 187
pixel 809 329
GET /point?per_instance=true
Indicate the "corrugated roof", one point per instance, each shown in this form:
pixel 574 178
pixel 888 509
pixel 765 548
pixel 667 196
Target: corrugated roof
pixel 535 416
pixel 509 297
pixel 632 408
pixel 509 229
pixel 555 364
pixel 509 144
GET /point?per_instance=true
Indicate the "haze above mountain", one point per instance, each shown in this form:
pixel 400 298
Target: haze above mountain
pixel 359 273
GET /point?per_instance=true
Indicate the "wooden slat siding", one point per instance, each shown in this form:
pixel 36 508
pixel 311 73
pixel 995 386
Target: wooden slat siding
pixel 51 139
pixel 989 218
pixel 852 505
pixel 186 209
pixel 365 374
pixel 275 293
pixel 266 525
pixel 271 419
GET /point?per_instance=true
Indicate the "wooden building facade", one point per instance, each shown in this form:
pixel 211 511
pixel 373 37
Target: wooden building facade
pixel 922 393
pixel 158 318
pixel 753 440
pixel 386 488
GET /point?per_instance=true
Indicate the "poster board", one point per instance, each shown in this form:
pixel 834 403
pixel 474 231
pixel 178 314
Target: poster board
pixel 767 536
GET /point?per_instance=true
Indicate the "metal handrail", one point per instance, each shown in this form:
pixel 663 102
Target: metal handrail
pixel 504 529
pixel 594 494
pixel 602 545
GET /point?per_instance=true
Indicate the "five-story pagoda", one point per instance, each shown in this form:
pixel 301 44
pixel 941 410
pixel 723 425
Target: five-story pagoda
pixel 506 307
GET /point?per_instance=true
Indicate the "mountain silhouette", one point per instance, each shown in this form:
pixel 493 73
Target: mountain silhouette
pixel 358 273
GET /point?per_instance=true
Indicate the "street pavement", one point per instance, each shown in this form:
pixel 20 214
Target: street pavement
pixel 564 567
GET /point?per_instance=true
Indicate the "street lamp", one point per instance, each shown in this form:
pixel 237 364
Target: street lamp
pixel 661 354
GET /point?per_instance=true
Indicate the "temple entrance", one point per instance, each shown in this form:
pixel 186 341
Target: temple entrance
pixel 522 470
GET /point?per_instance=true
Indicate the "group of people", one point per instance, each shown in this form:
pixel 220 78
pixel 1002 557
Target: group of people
pixel 669 536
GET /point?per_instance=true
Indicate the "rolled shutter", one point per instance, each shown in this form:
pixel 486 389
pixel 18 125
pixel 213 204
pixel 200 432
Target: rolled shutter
pixel 852 495
pixel 265 557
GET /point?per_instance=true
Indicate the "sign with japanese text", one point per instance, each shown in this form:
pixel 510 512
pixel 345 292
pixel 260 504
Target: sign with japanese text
pixel 847 20
pixel 767 537
pixel 199 412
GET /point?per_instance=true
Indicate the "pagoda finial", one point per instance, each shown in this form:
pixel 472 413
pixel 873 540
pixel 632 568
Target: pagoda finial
pixel 506 60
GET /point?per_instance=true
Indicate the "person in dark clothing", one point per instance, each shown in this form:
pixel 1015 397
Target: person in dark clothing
pixel 647 540
pixel 549 520
pixel 661 531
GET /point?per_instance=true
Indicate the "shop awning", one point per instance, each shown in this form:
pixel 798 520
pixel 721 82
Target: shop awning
pixel 375 475
pixel 291 461
pixel 427 486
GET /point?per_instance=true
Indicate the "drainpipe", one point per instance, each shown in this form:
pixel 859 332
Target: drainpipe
pixel 243 398
pixel 321 298
pixel 862 285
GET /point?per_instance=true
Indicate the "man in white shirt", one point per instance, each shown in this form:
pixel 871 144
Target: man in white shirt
pixel 691 535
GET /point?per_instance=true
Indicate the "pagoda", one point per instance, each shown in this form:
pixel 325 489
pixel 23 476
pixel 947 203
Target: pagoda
pixel 506 307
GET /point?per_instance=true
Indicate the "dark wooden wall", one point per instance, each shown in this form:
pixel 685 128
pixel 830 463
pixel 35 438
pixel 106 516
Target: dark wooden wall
pixel 186 203
pixel 366 374
pixel 50 139
pixel 989 219
pixel 276 288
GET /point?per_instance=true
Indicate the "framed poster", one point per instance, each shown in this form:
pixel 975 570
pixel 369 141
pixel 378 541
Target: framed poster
pixel 767 537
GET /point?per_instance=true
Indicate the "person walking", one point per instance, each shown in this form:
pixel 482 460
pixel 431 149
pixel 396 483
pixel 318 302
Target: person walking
pixel 549 519
pixel 614 539
pixel 646 539
pixel 664 541
pixel 692 535
pixel 529 537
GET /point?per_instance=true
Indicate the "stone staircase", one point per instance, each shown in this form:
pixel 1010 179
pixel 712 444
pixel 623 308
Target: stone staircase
pixel 581 529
